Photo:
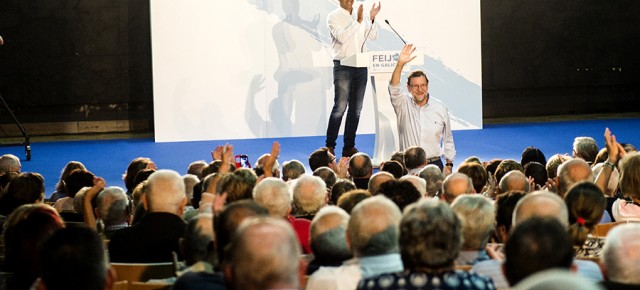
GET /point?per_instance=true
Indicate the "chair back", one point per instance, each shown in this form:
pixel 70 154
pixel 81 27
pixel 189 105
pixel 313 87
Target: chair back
pixel 134 272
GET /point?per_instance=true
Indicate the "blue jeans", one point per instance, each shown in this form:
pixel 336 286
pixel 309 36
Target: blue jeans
pixel 350 84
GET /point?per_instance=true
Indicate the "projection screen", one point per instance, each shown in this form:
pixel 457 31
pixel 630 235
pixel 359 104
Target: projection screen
pixel 262 68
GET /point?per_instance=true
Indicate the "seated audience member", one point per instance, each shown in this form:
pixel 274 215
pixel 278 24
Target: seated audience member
pixel 322 157
pixel 200 257
pixel 196 167
pixel 612 186
pixel 156 235
pixel 505 204
pixel 476 213
pixel 434 178
pixel 402 193
pixel 327 175
pixel 309 195
pixel 538 172
pixel 228 221
pixel 360 169
pixel 76 180
pixel 628 210
pixel 328 238
pixel 259 166
pixel 513 181
pixel 556 279
pixel 273 194
pixel 61 189
pixel 506 166
pixel 373 240
pixel 292 169
pixel 571 172
pixel 135 166
pixel 544 238
pixel 9 163
pixel 553 163
pixel 586 205
pixel 5 179
pixel 238 184
pixel 455 185
pixel 399 156
pixel 26 229
pixel 429 244
pixel 492 166
pixel 79 252
pixel 351 198
pixel 532 154
pixel 393 167
pixel 415 158
pixel 339 188
pixel 585 148
pixel 538 204
pixel 190 181
pixel 477 173
pixel 417 182
pixel 264 254
pixel 142 176
pixel 26 188
pixel 472 159
pixel 113 210
pixel 621 258
pixel 378 179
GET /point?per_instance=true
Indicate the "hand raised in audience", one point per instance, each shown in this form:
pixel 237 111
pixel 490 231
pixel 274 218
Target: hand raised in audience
pixel 217 153
pixel 98 185
pixel 271 159
pixel 550 185
pixel 615 150
pixel 227 158
pixel 495 251
pixel 342 167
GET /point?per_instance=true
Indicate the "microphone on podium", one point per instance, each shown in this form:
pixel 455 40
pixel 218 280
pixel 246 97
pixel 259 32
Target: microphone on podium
pixel 387 22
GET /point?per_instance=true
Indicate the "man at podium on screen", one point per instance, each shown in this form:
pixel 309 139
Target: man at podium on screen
pixel 422 120
pixel 348 31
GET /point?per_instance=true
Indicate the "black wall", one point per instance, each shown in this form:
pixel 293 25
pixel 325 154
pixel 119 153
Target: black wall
pixel 79 60
pixel 75 60
pixel 557 57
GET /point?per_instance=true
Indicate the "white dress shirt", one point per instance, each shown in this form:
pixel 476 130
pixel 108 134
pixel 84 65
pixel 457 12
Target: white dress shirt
pixel 347 34
pixel 426 126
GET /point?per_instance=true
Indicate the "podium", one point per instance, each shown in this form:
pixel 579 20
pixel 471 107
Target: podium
pixel 381 65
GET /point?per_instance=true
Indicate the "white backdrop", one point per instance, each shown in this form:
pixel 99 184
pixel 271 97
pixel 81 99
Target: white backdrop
pixel 262 68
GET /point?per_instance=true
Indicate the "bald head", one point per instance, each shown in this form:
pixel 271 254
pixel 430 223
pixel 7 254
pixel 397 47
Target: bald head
pixel 329 217
pixel 373 227
pixel 166 192
pixel 541 204
pixel 377 179
pixel 264 254
pixel 328 234
pixel 456 184
pixel 9 163
pixel 571 172
pixel 514 181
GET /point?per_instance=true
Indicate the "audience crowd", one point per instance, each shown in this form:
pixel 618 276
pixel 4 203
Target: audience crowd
pixel 493 224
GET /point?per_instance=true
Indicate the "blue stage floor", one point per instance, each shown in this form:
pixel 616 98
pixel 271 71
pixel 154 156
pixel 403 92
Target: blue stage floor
pixel 110 158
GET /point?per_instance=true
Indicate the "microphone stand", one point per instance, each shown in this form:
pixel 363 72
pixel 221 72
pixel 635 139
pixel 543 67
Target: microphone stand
pixel 26 143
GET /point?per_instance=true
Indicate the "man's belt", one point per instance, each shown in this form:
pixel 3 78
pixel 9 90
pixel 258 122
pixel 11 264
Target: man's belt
pixel 433 159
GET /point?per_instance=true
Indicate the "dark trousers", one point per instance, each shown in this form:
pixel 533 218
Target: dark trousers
pixel 350 84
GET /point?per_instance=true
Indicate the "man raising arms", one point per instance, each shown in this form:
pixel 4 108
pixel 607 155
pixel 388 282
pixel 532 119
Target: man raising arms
pixel 422 121
pixel 347 38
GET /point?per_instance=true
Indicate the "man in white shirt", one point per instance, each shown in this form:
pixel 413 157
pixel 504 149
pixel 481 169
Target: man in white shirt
pixel 347 38
pixel 422 121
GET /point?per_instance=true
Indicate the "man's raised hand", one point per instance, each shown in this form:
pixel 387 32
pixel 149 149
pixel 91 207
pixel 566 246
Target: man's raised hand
pixel 374 11
pixel 405 54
